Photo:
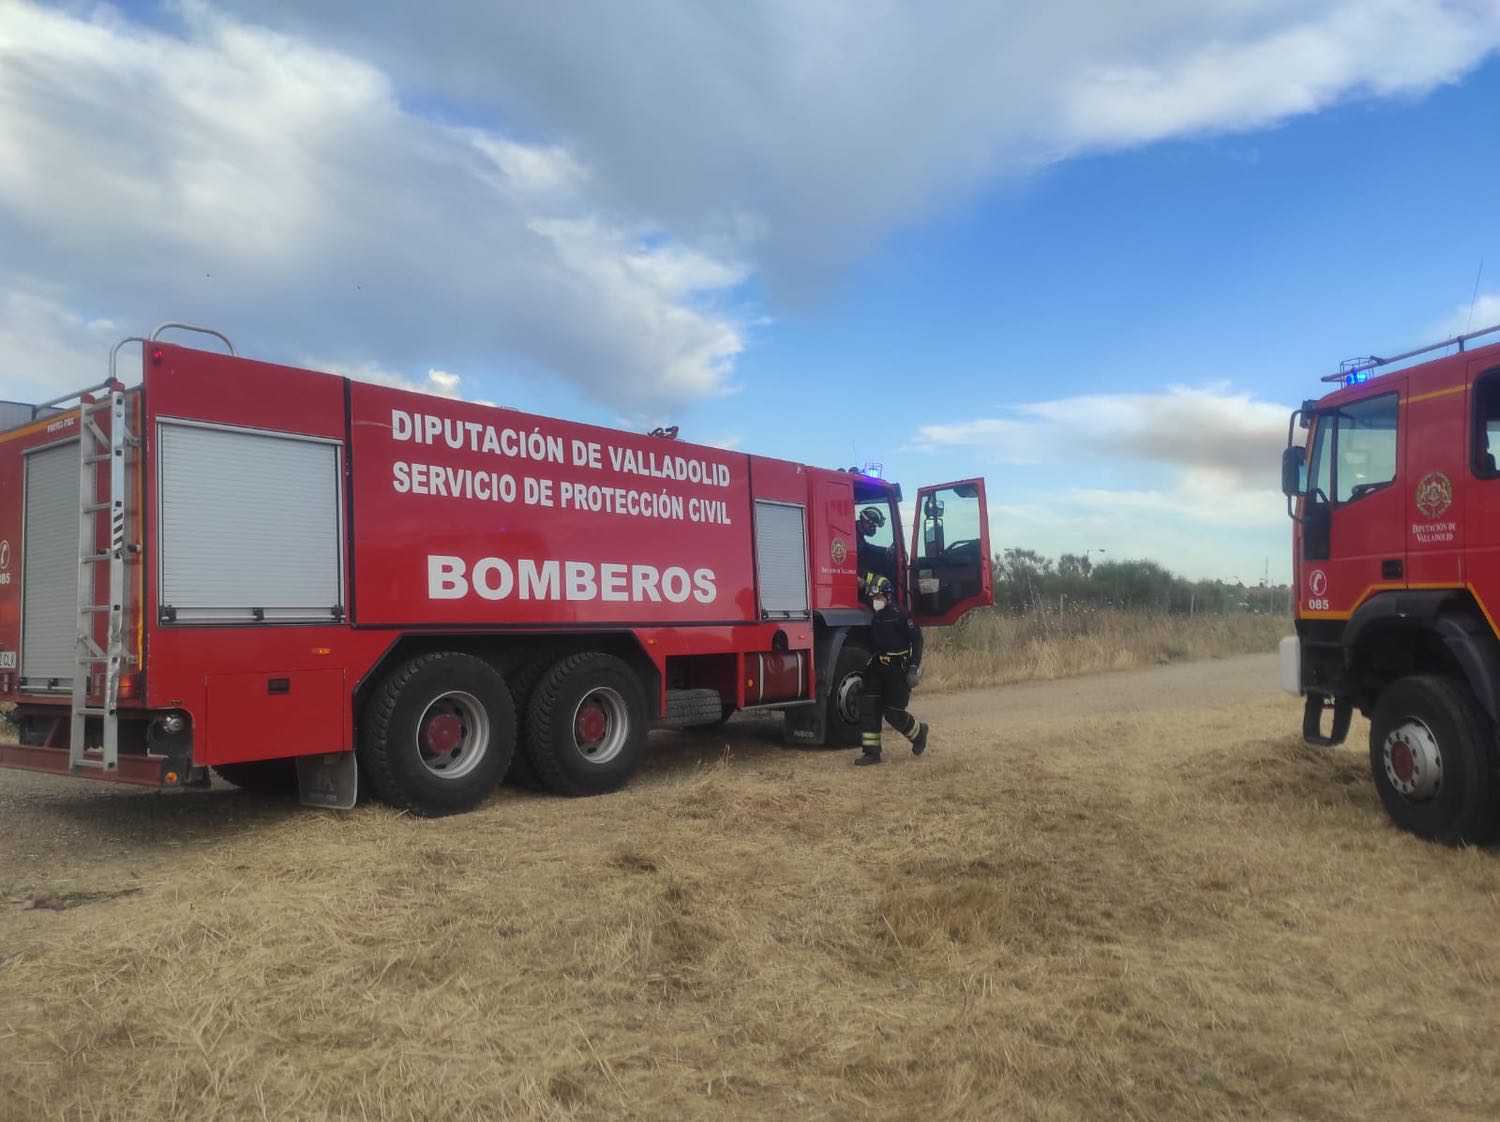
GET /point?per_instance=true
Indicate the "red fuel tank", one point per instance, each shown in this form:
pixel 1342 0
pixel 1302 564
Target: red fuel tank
pixel 775 676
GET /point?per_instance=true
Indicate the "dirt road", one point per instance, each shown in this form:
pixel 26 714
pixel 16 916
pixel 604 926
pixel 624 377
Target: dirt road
pixel 1131 896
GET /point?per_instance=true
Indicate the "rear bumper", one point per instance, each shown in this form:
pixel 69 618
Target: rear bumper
pixel 135 769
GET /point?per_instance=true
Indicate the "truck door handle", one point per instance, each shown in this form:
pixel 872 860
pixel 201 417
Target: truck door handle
pixel 1391 569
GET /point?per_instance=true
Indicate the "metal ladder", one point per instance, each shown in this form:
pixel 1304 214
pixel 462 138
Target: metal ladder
pixel 97 446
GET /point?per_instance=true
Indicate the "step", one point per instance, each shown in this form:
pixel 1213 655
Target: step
pixel 96 762
pixel 108 555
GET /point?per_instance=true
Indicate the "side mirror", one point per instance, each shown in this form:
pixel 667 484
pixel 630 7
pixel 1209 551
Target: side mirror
pixel 1293 458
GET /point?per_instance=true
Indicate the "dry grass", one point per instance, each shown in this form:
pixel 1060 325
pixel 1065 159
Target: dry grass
pixel 991 648
pixel 1056 915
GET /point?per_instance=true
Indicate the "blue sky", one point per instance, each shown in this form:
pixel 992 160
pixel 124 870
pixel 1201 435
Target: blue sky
pixel 1094 258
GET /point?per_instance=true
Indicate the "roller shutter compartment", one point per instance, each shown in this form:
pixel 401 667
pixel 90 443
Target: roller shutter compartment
pixel 49 568
pixel 781 559
pixel 250 526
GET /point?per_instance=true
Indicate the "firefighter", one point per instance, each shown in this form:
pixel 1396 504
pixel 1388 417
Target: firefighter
pixel 874 560
pixel 893 672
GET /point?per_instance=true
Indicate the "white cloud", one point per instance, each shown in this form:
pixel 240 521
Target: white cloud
pixel 1200 497
pixel 250 179
pixel 1211 428
pixel 438 383
pixel 1219 502
pixel 1276 61
pixel 1483 311
pixel 46 349
pixel 803 132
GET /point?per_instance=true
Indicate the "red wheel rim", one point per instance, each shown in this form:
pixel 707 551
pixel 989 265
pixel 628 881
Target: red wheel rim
pixel 1402 761
pixel 591 725
pixel 442 733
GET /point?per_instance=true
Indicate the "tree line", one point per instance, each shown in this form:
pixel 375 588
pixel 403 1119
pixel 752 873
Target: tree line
pixel 1025 581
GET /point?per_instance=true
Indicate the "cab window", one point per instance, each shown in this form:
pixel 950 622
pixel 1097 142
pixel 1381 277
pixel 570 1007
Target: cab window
pixel 880 520
pixel 1365 451
pixel 949 541
pixel 1487 425
pixel 1320 464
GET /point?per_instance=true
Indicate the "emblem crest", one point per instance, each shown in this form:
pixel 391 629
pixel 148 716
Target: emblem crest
pixel 1434 494
pixel 840 551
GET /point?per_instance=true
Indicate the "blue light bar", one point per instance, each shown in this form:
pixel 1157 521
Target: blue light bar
pixel 1356 377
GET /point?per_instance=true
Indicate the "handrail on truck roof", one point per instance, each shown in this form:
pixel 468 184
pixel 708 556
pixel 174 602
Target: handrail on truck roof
pixel 1356 370
pixel 114 354
pixel 58 401
pixel 155 335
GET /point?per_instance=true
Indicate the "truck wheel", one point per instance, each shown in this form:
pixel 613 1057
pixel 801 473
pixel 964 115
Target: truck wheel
pixel 843 696
pixel 264 777
pixel 586 725
pixel 523 680
pixel 1430 754
pixel 438 733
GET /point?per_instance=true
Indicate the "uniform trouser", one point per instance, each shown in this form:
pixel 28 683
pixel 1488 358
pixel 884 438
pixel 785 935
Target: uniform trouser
pixel 886 694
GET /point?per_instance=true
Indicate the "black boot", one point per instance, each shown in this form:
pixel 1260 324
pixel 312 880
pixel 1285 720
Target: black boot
pixel 919 742
pixel 867 758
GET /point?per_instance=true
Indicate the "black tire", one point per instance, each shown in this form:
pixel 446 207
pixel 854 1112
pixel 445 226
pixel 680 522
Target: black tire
pixel 842 721
pixel 264 777
pixel 1450 799
pixel 523 680
pixel 723 719
pixel 564 764
pixel 405 751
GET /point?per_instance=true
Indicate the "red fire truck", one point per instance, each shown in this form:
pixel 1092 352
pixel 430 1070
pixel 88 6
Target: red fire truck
pixel 1396 560
pixel 294 578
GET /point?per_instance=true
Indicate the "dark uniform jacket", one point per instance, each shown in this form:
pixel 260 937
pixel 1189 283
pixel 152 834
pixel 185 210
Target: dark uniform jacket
pixel 893 631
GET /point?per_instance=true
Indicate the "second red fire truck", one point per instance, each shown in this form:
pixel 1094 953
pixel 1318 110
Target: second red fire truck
pixel 295 578
pixel 1396 568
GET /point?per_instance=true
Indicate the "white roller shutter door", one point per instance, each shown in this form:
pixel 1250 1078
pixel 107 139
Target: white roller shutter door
pixel 49 568
pixel 781 559
pixel 250 526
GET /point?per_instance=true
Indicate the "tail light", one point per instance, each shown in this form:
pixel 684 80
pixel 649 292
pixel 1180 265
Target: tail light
pixel 130 687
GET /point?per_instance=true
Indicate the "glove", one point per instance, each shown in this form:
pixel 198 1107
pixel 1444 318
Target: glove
pixel 913 676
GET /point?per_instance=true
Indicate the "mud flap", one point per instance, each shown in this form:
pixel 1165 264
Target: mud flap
pixel 807 724
pixel 329 780
pixel 1312 720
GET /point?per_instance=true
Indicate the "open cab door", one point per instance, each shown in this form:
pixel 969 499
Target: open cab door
pixel 950 553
